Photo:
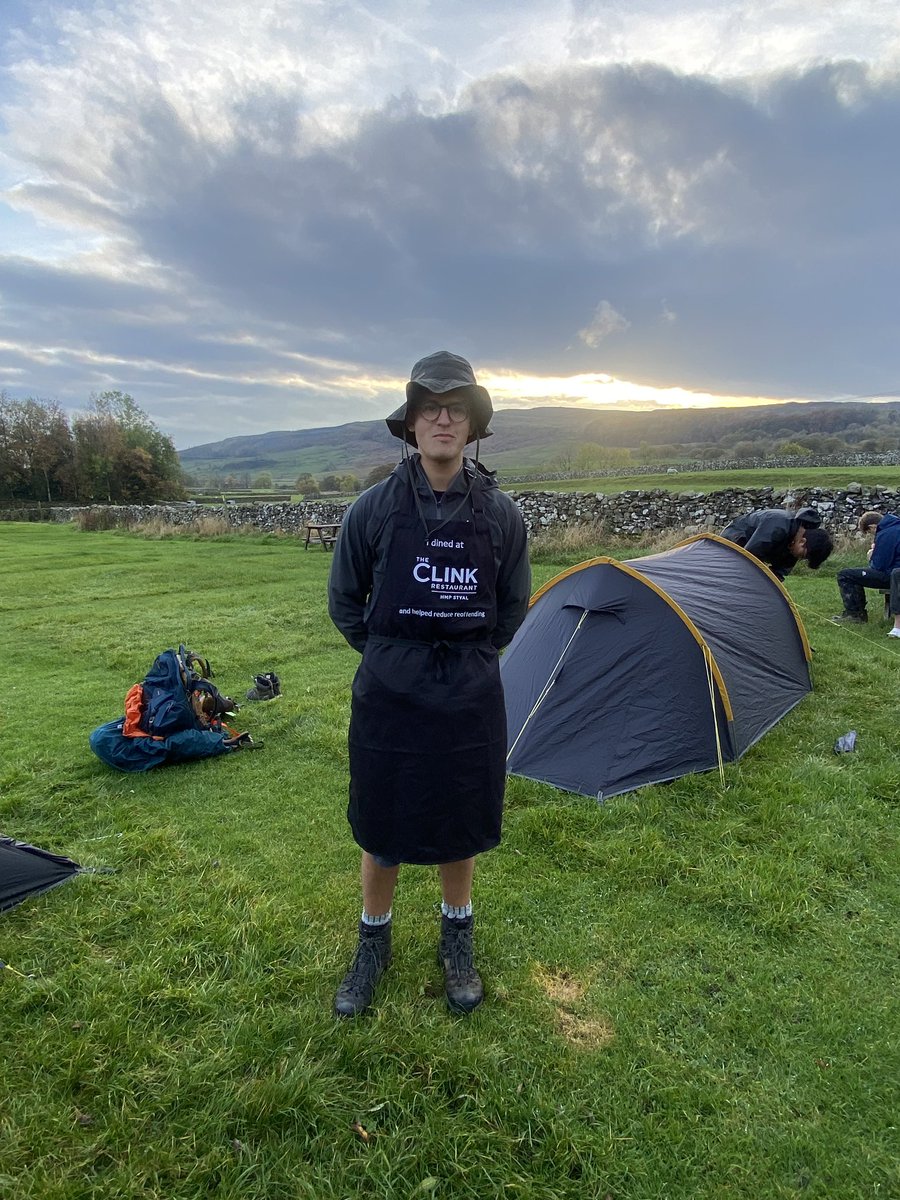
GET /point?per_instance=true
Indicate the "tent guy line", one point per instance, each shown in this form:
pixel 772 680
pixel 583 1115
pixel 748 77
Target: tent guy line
pixel 549 684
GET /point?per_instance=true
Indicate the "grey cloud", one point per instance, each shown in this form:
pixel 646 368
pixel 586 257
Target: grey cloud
pixel 191 408
pixel 25 281
pixel 71 205
pixel 604 323
pixel 765 222
pixel 763 214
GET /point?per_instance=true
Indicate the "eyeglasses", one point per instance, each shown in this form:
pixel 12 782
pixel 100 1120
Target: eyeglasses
pixel 431 410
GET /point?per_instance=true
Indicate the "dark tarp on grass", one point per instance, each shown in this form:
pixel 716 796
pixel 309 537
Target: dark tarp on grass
pixel 629 673
pixel 25 870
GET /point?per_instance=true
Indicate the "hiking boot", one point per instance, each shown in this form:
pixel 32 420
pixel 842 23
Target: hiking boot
pixel 850 618
pixel 462 983
pixel 265 687
pixel 371 960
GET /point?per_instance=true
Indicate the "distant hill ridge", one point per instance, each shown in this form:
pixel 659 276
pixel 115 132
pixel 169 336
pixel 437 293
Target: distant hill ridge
pixel 530 438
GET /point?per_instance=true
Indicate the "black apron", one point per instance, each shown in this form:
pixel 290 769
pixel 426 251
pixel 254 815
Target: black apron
pixel 427 720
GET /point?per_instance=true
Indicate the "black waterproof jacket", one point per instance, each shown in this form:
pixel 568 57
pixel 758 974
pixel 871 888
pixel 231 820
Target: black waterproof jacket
pixel 768 532
pixel 360 559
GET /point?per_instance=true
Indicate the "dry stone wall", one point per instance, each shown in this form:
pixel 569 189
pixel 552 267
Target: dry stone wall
pixel 268 518
pixel 634 513
pixel 624 514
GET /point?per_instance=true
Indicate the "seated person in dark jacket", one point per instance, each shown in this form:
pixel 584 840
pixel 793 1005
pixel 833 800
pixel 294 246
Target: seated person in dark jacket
pixel 867 524
pixel 882 572
pixel 779 537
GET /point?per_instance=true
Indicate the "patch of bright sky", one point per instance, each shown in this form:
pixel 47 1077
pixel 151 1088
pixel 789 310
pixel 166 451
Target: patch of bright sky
pixel 21 234
pixel 510 391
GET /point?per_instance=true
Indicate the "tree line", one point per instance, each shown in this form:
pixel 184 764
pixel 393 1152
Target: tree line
pixel 347 485
pixel 305 485
pixel 585 457
pixel 110 454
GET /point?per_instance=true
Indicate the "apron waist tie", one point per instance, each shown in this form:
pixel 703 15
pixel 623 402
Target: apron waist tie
pixel 456 643
pixel 442 649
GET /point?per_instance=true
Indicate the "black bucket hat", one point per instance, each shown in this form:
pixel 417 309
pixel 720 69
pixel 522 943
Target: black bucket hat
pixel 438 373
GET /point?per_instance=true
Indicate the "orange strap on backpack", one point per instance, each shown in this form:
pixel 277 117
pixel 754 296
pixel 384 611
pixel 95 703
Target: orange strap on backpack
pixel 134 710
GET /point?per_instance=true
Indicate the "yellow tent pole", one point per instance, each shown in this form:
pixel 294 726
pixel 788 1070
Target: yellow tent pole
pixel 708 659
pixel 766 570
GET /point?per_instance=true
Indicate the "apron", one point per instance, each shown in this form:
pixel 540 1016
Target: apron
pixel 427 720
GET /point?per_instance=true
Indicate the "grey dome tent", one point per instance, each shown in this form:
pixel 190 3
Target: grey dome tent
pixel 629 673
pixel 25 870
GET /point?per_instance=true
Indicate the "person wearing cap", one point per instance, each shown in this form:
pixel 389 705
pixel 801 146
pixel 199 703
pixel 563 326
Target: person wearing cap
pixel 882 572
pixel 780 537
pixel 430 580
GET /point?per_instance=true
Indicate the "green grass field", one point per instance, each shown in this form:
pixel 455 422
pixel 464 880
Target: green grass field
pixel 714 481
pixel 691 991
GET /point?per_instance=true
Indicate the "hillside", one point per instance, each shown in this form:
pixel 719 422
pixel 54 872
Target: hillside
pixel 545 438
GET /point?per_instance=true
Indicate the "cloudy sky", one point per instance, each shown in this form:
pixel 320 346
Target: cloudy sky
pixel 257 216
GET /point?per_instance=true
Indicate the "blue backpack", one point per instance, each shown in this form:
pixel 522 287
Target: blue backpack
pixel 173 716
pixel 170 684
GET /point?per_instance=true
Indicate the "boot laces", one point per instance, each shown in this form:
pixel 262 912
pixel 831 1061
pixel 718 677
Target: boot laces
pixel 457 954
pixel 365 969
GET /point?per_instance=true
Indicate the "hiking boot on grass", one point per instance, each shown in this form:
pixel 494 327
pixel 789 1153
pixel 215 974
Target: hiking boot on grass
pixel 462 983
pixel 265 687
pixel 851 618
pixel 372 958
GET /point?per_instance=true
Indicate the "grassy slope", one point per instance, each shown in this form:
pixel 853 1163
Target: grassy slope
pixel 286 465
pixel 713 481
pixel 532 460
pixel 533 438
pixel 693 481
pixel 692 992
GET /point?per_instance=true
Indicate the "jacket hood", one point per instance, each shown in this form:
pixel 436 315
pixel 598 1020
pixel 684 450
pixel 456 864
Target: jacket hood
pixel 486 479
pixel 809 518
pixel 888 521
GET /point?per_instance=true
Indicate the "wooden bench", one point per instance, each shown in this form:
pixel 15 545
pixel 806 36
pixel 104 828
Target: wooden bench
pixel 321 535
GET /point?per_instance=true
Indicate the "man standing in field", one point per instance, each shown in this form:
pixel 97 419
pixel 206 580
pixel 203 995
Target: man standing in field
pixel 780 537
pixel 430 579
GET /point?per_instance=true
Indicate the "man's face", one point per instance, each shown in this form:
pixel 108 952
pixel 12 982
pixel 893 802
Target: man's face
pixel 441 424
pixel 798 544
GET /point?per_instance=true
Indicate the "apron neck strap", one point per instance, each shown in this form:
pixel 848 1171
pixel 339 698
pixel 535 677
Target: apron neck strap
pixel 471 490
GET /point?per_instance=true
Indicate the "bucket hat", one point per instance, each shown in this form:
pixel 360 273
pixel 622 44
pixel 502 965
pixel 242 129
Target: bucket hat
pixel 438 373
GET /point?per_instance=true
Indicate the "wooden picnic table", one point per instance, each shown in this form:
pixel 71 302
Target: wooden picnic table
pixel 321 535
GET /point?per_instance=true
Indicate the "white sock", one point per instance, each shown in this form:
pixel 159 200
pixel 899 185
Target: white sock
pixel 368 919
pixel 456 912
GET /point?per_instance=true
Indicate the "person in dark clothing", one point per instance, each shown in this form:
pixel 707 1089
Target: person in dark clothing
pixel 882 572
pixel 430 580
pixel 867 524
pixel 780 537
